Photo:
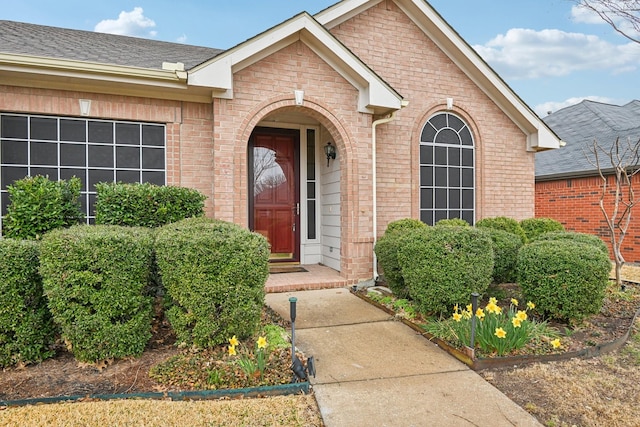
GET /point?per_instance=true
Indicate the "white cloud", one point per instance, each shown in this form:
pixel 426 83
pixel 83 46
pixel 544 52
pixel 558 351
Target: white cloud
pixel 585 15
pixel 552 106
pixel 182 39
pixel 132 23
pixel 529 54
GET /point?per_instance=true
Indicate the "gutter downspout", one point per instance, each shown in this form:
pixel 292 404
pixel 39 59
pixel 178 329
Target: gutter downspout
pixel 374 178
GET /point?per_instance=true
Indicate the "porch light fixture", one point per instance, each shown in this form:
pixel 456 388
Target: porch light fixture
pixel 299 95
pixel 85 107
pixel 330 152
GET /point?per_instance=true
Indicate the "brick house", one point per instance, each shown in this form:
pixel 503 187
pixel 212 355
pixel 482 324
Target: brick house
pixel 568 187
pixel 421 125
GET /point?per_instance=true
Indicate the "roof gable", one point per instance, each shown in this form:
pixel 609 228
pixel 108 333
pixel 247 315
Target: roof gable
pixel 539 136
pixel 375 95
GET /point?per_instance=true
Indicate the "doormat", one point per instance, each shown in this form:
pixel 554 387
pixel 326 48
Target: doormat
pixel 277 269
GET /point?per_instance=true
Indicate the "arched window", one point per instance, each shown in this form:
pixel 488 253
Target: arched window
pixel 447 170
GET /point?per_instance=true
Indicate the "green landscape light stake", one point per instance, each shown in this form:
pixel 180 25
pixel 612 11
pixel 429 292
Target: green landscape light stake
pixel 299 371
pixel 474 307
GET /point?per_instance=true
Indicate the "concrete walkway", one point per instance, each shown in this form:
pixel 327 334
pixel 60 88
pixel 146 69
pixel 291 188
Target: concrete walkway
pixel 374 371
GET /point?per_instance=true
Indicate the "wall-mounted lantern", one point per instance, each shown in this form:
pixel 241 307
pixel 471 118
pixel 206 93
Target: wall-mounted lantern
pixel 330 152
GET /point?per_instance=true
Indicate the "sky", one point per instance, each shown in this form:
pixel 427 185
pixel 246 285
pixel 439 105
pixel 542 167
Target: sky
pixel 551 53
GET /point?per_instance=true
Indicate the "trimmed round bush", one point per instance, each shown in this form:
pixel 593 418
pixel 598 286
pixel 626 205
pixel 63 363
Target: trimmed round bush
pixel 505 248
pixel 589 239
pixel 444 266
pixel 503 223
pixel 565 279
pixel 386 250
pixel 214 274
pixel 534 227
pixel 26 329
pixel 96 279
pixel 452 222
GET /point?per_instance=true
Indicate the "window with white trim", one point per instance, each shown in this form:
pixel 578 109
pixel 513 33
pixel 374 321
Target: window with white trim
pixel 93 150
pixel 447 170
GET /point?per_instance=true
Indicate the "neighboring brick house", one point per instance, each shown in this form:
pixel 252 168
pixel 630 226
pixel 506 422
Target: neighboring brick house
pixel 568 187
pixel 422 126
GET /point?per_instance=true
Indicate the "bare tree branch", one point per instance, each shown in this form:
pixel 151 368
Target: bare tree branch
pixel 622 15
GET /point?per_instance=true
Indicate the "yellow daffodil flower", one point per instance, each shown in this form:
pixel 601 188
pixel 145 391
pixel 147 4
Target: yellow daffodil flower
pixel 500 333
pixel 491 307
pixel 498 310
pixel 469 307
pixel 232 350
pixel 457 316
pixel 531 305
pixel 467 314
pixel 521 315
pixel 556 343
pixel 262 342
pixel 514 301
pixel 456 308
pixel 233 341
pixel 480 313
pixel 516 322
pixel 493 301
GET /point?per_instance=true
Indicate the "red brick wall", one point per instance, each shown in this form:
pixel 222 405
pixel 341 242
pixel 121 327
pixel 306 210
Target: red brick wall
pixel 575 203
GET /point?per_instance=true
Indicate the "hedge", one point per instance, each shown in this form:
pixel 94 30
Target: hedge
pixel 505 247
pixel 38 205
pixel 566 279
pixel 214 274
pixel 445 265
pixel 589 239
pixel 96 280
pixel 504 223
pixel 534 227
pixel 146 205
pixel 386 250
pixel 452 222
pixel 26 329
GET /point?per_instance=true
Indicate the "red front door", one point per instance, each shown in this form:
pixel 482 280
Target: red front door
pixel 274 202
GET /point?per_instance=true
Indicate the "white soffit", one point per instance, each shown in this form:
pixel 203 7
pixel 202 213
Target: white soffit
pixel 539 136
pixel 217 73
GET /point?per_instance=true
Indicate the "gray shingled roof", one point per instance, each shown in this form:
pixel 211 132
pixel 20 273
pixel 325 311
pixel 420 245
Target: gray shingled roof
pixel 61 43
pixel 579 125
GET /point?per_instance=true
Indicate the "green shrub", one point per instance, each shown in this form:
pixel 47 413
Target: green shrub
pixel 534 227
pixel 453 222
pixel 146 205
pixel 214 273
pixel 505 224
pixel 96 279
pixel 445 265
pixel 38 205
pixel 386 250
pixel 566 279
pixel 589 239
pixel 505 249
pixel 26 330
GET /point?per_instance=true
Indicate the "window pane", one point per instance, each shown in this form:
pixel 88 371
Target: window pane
pixel 441 198
pixel 426 217
pixel 44 128
pixel 311 154
pixel 454 156
pixel 101 156
pixel 73 154
pixel 439 215
pixel 467 199
pixel 467 178
pixel 311 190
pixel 426 198
pixel 73 130
pixel 101 132
pixel 51 173
pixel 153 135
pixel 127 133
pixel 467 158
pixel 441 156
pixel 92 204
pixel 128 177
pixel 311 219
pixel 99 175
pixel 455 123
pixel 153 177
pixel 11 173
pixel 465 136
pixel 14 152
pixel 426 176
pixel 14 127
pixel 5 203
pixel 128 157
pixel 454 177
pixel 468 216
pixel 454 199
pixel 447 136
pixel 441 177
pixel 44 153
pixel 428 133
pixel 153 158
pixel 68 173
pixel 426 154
